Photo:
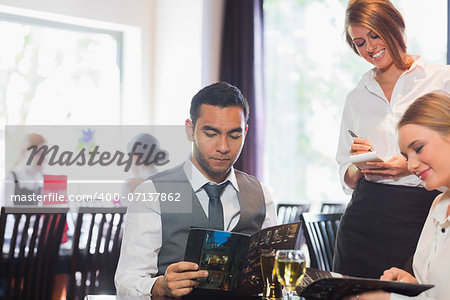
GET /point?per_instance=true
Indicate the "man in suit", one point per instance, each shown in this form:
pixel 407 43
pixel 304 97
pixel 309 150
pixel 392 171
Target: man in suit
pixel 218 196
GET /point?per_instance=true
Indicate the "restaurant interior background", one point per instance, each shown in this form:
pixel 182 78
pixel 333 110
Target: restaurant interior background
pixel 138 62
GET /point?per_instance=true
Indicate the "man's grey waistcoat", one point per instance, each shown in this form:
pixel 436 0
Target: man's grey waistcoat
pixel 176 224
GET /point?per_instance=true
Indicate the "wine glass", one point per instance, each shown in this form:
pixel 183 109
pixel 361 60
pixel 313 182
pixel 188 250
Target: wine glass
pixel 272 288
pixel 290 268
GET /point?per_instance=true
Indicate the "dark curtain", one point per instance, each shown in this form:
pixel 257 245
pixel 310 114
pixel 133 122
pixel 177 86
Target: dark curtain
pixel 241 65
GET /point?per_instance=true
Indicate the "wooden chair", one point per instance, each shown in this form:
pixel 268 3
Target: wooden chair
pixel 288 213
pixel 332 208
pixel 29 251
pixel 320 232
pixel 96 248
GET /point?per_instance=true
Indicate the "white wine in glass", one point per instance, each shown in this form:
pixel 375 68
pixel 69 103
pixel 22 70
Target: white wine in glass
pixel 290 268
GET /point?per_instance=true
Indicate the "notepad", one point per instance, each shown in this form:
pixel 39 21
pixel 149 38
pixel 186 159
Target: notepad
pixel 361 160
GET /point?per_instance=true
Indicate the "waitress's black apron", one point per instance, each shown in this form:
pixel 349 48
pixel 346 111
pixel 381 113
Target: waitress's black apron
pixel 380 228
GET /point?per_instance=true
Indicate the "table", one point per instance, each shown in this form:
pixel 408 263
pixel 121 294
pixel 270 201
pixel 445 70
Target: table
pixel 112 297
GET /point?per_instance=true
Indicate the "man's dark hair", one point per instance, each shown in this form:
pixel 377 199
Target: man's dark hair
pixel 220 94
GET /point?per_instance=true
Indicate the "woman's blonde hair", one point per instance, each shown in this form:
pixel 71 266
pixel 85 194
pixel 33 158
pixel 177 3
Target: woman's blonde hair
pixel 432 110
pixel 385 20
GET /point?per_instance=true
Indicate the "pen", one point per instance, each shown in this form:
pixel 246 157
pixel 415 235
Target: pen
pixel 355 136
pixel 352 133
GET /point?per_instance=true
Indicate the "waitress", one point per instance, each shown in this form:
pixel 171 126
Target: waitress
pixel 382 223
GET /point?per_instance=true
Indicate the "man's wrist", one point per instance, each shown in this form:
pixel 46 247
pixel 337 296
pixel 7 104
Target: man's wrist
pixel 157 289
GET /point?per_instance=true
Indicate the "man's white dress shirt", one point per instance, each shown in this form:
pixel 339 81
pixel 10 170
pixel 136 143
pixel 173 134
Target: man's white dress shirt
pixel 138 263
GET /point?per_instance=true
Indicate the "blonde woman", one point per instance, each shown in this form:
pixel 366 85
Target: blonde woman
pixel 424 138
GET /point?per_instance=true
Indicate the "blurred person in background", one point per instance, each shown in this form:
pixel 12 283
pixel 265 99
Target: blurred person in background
pixel 25 179
pixel 145 149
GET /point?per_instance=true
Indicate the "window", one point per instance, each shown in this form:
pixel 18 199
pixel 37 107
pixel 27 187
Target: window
pixel 309 70
pixel 55 73
pixel 65 73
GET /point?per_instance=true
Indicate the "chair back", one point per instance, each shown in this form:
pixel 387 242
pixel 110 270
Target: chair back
pixel 288 213
pixel 332 208
pixel 29 244
pixel 96 248
pixel 320 232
